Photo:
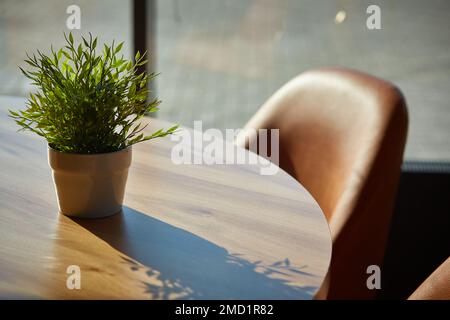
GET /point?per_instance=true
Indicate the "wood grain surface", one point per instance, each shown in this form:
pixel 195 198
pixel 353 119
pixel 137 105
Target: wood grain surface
pixel 186 231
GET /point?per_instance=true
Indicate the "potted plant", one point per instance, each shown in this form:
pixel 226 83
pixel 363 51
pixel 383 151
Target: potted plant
pixel 88 107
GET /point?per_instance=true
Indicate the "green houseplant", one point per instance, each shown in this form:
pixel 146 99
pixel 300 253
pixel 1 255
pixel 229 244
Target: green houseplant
pixel 88 107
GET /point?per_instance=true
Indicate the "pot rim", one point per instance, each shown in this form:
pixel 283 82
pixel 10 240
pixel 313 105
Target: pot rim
pixel 50 148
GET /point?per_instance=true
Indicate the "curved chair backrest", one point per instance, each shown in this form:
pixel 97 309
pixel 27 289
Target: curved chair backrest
pixel 342 135
pixel 436 286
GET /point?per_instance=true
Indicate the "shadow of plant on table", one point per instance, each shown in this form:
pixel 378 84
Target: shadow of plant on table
pixel 182 265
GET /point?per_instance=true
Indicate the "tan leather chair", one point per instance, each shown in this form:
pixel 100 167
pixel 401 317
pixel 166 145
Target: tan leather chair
pixel 436 286
pixel 342 135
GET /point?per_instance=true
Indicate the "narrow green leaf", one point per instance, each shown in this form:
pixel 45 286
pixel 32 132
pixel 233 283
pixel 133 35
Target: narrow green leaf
pixel 119 47
pixel 85 42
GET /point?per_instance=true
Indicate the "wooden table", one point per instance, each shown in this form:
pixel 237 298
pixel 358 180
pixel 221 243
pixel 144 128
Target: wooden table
pixel 186 231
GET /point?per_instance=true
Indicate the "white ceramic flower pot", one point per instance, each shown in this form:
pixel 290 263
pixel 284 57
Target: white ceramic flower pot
pixel 90 185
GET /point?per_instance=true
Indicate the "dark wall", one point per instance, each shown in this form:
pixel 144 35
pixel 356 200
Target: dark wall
pixel 419 239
